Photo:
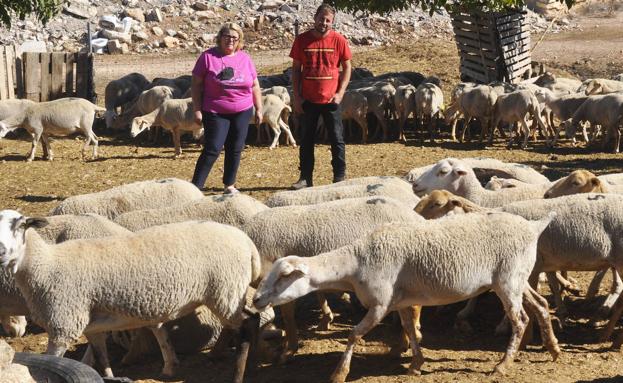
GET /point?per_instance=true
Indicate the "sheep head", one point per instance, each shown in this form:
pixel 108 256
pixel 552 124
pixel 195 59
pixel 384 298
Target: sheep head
pixel 14 326
pixel 569 127
pixel 13 227
pixel 593 87
pixel 286 281
pixel 109 116
pixel 138 125
pixel 441 202
pixel 578 181
pixel 446 174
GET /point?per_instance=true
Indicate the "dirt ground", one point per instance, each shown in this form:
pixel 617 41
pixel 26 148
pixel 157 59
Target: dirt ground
pixel 594 51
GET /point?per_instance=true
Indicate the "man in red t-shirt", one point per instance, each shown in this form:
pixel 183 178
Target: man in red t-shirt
pixel 318 88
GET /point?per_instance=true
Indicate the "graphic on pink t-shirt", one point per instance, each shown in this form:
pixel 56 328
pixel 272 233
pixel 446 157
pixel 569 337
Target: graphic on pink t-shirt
pixel 226 94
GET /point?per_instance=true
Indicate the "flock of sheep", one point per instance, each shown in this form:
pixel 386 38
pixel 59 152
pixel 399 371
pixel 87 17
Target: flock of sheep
pixel 117 261
pixel 546 103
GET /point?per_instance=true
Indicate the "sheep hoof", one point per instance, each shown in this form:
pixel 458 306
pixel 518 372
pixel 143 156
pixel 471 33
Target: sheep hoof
pixel 414 371
pixel 501 368
pixel 339 376
pixel 325 322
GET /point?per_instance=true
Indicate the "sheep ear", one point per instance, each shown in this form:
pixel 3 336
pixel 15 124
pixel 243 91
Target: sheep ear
pixel 300 268
pixel 461 172
pixel 456 203
pixel 595 181
pixel 36 223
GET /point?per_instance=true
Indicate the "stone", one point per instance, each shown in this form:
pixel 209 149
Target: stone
pixel 201 6
pixel 208 38
pixel 181 35
pixel 6 355
pixel 287 8
pixel 140 36
pixel 154 15
pixel 270 4
pixel 206 15
pixel 32 46
pixel 135 13
pixel 116 47
pixel 170 32
pixel 77 11
pixel 157 31
pixel 170 42
pixel 16 373
pixel 114 35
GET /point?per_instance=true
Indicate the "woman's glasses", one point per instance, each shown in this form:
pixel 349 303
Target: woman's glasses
pixel 230 37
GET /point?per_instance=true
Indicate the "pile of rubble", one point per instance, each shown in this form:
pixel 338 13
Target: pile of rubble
pixel 139 26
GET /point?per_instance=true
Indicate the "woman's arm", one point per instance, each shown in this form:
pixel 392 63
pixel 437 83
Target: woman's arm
pixel 196 92
pixel 257 101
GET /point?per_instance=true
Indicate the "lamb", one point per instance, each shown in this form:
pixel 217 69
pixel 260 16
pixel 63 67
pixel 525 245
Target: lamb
pixel 603 86
pixel 605 110
pixel 134 196
pixel 111 274
pixel 120 92
pixel 473 102
pixel 55 118
pixel 452 112
pixel 354 107
pixel 228 209
pixel 428 105
pixel 148 101
pixel 380 97
pixel 279 91
pixel 364 187
pixel 562 107
pixel 13 106
pixel 516 107
pixel 175 115
pixel 318 228
pixel 402 264
pixel 457 177
pixel 404 100
pixel 557 84
pixel 276 112
pixel 485 168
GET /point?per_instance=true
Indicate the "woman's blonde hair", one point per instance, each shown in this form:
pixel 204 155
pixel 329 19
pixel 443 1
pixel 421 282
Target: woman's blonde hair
pixel 231 27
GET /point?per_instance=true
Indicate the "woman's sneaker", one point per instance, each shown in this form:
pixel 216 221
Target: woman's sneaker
pixel 301 184
pixel 231 190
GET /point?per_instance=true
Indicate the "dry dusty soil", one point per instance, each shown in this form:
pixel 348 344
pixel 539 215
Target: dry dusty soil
pixel 595 51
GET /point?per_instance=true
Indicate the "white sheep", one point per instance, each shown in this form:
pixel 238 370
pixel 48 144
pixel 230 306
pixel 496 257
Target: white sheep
pixel 473 102
pixel 404 100
pixel 557 84
pixel 134 196
pixel 354 107
pixel 485 168
pixel 230 209
pixel 275 114
pixel 175 115
pixel 279 91
pixel 561 107
pixel 312 229
pixel 428 105
pixel 380 97
pixel 457 177
pixel 403 264
pixel 517 107
pixel 55 118
pixel 120 92
pixel 146 102
pixel 353 188
pixel 602 86
pixel 108 283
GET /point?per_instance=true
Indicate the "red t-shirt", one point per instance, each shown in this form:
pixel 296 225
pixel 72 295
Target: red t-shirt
pixel 320 59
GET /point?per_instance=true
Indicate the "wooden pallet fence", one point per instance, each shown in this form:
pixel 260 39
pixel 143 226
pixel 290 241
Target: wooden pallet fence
pixel 492 46
pixel 48 76
pixel 8 78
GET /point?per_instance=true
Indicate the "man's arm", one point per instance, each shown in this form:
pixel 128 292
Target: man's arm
pixel 343 82
pixel 296 86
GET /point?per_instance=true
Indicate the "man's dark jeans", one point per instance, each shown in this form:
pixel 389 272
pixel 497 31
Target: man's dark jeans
pixel 332 119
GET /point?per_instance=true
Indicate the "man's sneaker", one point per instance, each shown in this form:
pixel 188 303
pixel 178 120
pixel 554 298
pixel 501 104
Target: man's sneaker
pixel 231 190
pixel 338 179
pixel 301 184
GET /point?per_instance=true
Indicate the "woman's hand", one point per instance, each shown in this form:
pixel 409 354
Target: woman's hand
pixel 198 117
pixel 259 115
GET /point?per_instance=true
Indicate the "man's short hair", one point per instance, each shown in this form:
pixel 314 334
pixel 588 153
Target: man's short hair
pixel 324 7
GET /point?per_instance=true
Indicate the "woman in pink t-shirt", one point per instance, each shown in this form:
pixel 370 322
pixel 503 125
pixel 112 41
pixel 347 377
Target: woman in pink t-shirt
pixel 224 90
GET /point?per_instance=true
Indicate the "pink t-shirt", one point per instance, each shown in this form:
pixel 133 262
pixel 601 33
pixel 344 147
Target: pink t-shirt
pixel 226 96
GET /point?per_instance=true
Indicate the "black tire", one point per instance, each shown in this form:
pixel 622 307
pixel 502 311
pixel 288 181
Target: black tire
pixel 56 369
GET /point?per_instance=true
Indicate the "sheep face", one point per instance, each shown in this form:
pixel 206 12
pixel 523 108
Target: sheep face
pixel 109 116
pixel 579 181
pixel 13 226
pixel 14 326
pixel 446 174
pixel 438 204
pixel 287 280
pixel 569 128
pixel 593 87
pixel 138 125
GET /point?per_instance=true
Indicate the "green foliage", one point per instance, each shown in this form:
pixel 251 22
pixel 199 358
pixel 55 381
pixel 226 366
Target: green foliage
pixel 386 6
pixel 43 10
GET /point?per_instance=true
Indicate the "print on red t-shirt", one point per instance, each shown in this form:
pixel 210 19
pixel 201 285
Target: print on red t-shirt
pixel 320 59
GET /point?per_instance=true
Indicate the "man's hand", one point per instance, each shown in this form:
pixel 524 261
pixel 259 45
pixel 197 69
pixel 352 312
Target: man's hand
pixel 198 117
pixel 337 98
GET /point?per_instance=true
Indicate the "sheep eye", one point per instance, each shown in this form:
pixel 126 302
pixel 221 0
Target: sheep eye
pixel 443 171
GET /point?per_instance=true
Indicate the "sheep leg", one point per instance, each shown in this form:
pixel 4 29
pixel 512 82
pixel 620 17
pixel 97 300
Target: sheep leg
pixel 88 358
pixel 383 124
pixel 465 127
pixel 617 309
pixel 525 131
pixel 567 284
pixel 615 292
pixel 35 140
pixel 168 353
pixel 277 133
pixel 289 322
pixel 327 315
pixel 461 318
pixel 408 320
pixel 561 311
pixel 413 324
pixel 289 135
pixel 249 334
pixel 539 308
pixel 363 123
pixel 47 149
pixel 617 139
pixel 175 134
pixel 97 341
pixel 372 318
pixel 593 288
pixel 519 320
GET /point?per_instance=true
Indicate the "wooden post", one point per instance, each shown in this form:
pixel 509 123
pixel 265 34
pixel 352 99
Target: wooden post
pixel 32 76
pixel 90 47
pixel 46 78
pixel 4 92
pixel 70 75
pixel 57 76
